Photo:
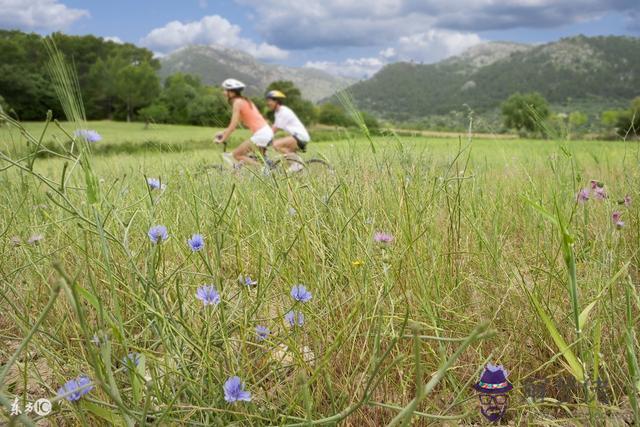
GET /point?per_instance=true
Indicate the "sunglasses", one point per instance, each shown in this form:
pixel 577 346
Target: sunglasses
pixel 498 399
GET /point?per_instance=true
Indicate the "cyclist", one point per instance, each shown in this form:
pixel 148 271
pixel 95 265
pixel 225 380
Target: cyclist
pixel 245 112
pixel 288 121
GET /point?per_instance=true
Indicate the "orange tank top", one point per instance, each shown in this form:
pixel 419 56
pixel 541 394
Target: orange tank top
pixel 250 116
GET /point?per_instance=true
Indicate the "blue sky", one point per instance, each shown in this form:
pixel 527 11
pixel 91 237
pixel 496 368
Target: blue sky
pixel 353 38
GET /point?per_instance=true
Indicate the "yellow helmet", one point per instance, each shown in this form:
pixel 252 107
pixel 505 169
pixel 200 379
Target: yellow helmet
pixel 275 94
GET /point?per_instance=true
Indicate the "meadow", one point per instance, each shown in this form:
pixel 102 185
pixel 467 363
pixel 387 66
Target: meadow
pixel 423 259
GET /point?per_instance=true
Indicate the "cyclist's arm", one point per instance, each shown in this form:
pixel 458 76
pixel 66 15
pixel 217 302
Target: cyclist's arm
pixel 233 124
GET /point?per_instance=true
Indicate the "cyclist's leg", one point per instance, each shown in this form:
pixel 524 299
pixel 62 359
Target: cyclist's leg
pixel 289 146
pixel 260 139
pixel 286 145
pixel 241 153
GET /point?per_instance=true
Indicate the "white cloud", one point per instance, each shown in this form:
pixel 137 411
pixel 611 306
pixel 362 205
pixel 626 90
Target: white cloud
pixel 358 68
pixel 209 30
pixel 114 39
pixel 388 53
pixel 47 15
pixel 429 46
pixel 435 45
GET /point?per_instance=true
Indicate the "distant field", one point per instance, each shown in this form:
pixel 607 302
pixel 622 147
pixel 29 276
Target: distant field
pixel 484 235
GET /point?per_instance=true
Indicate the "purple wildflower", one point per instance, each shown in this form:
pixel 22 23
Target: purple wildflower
pixel 600 193
pixel 294 318
pixel 382 237
pixel 583 195
pixel 615 218
pixel 131 360
pixel 158 234
pixel 74 389
pixel 300 293
pixel 595 184
pixel 35 239
pixel 626 201
pixel 234 390
pixel 196 242
pixel 155 184
pixel 247 281
pixel 263 332
pixel 88 135
pixel 208 295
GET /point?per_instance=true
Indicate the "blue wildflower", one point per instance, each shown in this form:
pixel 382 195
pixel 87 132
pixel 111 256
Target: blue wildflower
pixel 294 317
pixel 234 390
pixel 74 389
pixel 247 281
pixel 88 135
pixel 300 293
pixel 263 332
pixel 208 295
pixel 158 234
pixel 155 184
pixel 196 242
pixel 131 360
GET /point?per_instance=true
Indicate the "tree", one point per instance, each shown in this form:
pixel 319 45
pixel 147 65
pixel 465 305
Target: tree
pixel 575 120
pixel 26 85
pixel 331 114
pixel 102 87
pixel 303 108
pixel 4 108
pixel 609 118
pixel 209 108
pixel 525 111
pixel 137 86
pixel 370 121
pixel 179 91
pixel 156 113
pixel 628 122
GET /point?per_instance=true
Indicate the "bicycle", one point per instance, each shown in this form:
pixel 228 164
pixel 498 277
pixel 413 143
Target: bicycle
pixel 314 165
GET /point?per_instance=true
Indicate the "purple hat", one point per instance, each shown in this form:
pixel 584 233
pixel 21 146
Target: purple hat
pixel 493 380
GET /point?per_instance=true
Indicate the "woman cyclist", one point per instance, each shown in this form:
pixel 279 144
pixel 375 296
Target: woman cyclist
pixel 245 112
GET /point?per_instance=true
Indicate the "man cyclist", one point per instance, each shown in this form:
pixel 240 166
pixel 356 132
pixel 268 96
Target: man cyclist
pixel 288 121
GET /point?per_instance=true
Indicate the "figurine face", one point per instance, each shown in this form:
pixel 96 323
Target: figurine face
pixel 493 406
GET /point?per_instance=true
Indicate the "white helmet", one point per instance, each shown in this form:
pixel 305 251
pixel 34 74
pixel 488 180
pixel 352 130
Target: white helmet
pixel 233 84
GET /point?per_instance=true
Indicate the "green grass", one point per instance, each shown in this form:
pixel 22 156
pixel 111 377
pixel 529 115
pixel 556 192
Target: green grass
pixel 476 240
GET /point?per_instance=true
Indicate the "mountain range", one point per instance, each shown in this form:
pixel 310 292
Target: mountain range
pixel 596 72
pixel 213 64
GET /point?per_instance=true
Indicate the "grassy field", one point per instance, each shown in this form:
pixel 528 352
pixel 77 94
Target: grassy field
pixel 492 260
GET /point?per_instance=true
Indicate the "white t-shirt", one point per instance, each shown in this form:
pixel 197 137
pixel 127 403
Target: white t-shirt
pixel 289 122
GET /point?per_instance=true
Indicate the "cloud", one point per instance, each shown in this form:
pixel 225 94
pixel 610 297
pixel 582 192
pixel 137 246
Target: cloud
pixel 435 45
pixel 293 24
pixel 49 15
pixel 210 30
pixel 114 39
pixel 430 46
pixel 358 68
pixel 388 53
